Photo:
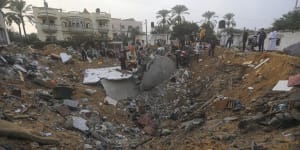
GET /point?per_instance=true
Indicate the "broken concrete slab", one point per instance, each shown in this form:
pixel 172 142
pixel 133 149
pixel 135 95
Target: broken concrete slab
pixel 63 110
pixel 78 123
pixel 294 80
pixel 189 125
pixel 72 104
pixel 160 70
pixel 92 76
pixel 43 83
pixel 110 101
pixel 90 91
pixel 12 130
pixel 62 92
pixel 18 67
pixel 120 89
pixel 282 85
pixel 293 50
pixel 65 57
pixel 228 119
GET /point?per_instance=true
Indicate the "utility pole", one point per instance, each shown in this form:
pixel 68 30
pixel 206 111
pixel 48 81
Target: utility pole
pixel 146 32
pixel 296 6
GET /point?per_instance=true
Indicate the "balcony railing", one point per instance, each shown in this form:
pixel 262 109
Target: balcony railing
pixel 77 29
pixel 45 15
pixel 103 29
pixel 103 16
pixel 51 28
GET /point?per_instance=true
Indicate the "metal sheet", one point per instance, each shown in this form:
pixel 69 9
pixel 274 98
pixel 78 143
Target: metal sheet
pixel 92 76
pixel 282 85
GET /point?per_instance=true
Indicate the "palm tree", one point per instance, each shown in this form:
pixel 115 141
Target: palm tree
pixel 21 11
pixel 163 14
pixel 177 13
pixel 208 16
pixel 3 5
pixel 229 20
pixel 12 18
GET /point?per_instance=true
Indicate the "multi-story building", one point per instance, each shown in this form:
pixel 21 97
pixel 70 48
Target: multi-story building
pixel 119 26
pixel 4 39
pixel 54 24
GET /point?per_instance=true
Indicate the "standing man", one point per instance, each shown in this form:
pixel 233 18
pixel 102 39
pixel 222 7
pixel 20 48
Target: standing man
pixel 229 41
pixel 83 52
pixel 223 39
pixel 245 38
pixel 122 58
pixel 261 40
pixel 273 39
pixel 211 48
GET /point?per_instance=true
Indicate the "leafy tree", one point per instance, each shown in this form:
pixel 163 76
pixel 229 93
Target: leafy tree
pixel 177 13
pixel 209 34
pixel 186 29
pixel 133 33
pixel 229 20
pixel 21 10
pixel 289 21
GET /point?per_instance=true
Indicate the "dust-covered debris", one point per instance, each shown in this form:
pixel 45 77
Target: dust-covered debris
pixel 223 101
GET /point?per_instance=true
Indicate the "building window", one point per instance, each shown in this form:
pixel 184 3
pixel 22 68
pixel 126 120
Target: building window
pixel 102 23
pixel 51 22
pixel 129 27
pixel 122 27
pixel 112 26
pixel 51 38
pixel 65 24
pixel 87 25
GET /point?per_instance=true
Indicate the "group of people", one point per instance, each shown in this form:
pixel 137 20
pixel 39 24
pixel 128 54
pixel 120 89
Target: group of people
pixel 257 40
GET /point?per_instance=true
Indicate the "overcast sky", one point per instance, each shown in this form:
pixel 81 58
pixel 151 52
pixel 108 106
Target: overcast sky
pixel 248 13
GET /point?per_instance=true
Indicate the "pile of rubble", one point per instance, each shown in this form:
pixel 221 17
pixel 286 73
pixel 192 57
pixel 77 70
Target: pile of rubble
pixel 50 99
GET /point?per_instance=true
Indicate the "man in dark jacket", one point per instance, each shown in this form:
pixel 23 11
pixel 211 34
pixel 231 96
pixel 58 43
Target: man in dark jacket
pixel 122 58
pixel 245 38
pixel 211 50
pixel 261 40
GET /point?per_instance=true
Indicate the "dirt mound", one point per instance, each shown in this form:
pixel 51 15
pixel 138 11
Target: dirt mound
pixel 53 49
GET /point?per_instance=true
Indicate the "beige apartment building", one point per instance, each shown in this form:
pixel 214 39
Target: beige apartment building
pixel 54 24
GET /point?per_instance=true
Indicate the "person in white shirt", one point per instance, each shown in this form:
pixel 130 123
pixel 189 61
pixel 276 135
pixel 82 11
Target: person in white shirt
pixel 273 38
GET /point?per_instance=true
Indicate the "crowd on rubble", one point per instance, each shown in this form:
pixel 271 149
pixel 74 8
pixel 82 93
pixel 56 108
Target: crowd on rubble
pixel 183 53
